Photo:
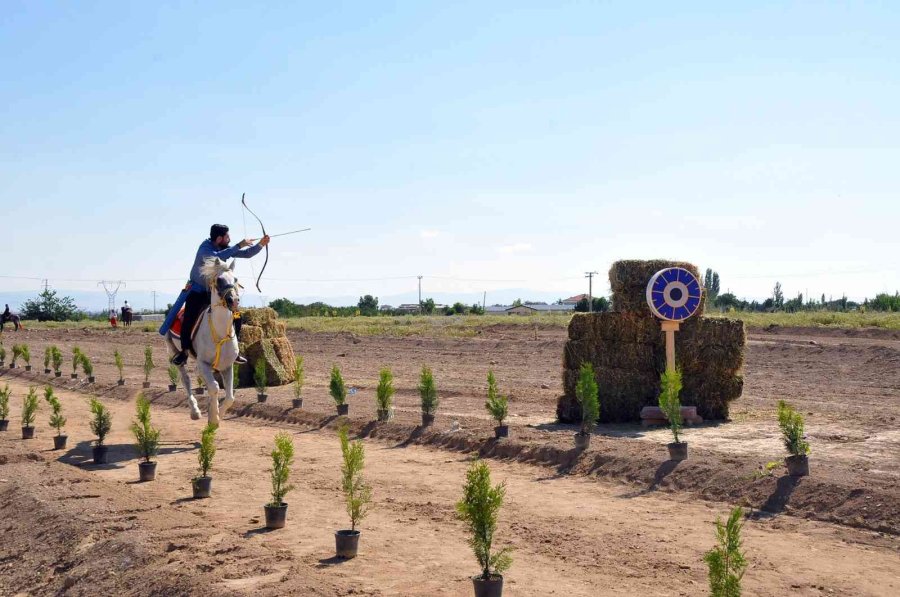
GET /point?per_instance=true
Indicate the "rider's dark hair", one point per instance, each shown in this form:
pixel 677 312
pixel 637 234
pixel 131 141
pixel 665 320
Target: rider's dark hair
pixel 217 230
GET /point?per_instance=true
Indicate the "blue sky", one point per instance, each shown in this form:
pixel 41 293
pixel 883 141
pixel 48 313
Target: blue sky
pixel 484 145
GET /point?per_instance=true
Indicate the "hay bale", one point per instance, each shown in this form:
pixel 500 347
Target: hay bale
pixel 250 334
pixel 628 280
pixel 259 317
pixel 627 351
pixel 274 329
pixel 279 357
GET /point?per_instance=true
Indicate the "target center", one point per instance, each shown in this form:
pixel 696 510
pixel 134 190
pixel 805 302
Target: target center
pixel 676 294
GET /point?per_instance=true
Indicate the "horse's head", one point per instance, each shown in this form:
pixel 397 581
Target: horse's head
pixel 222 282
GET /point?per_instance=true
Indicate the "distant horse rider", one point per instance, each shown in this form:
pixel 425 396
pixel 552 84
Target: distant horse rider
pixel 199 296
pixel 9 317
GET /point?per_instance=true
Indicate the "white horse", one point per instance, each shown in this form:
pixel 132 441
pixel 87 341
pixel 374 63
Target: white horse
pixel 215 343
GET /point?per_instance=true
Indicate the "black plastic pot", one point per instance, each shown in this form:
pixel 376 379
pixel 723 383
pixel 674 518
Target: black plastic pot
pixel 678 451
pixel 46 371
pixel 297 402
pixel 346 544
pixel 343 409
pixel 12 365
pixel 797 466
pixel 4 424
pixel 501 431
pixel 58 374
pixel 27 367
pixel 202 487
pixel 198 391
pixel 582 441
pixel 427 420
pixel 145 385
pixel 276 516
pixel 73 375
pixel 121 382
pixel 384 416
pixel 172 387
pixel 492 587
pixel 27 432
pixel 59 442
pixel 100 454
pixel 147 471
pixel 261 397
pixel 90 379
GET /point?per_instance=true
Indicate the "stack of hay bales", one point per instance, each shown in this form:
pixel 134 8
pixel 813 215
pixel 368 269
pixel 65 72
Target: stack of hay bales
pixel 262 334
pixel 628 351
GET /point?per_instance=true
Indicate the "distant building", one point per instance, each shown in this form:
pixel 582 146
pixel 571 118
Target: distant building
pixel 574 300
pixel 409 308
pixel 385 308
pixel 529 309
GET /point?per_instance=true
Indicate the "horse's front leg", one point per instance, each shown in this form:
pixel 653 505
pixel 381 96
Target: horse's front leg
pixel 228 381
pixel 212 411
pixel 185 380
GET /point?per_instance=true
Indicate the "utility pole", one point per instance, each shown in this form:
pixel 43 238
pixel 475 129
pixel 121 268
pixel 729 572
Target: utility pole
pixel 46 284
pixel 154 300
pixel 590 277
pixel 420 293
pixel 111 292
pixel 484 302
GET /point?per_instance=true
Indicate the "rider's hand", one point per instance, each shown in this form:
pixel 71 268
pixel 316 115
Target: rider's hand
pixel 264 240
pixel 246 242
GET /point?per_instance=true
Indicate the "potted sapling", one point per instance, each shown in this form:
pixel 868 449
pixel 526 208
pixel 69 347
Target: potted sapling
pixel 57 359
pixel 29 410
pixel 4 408
pixel 338 391
pixel 2 354
pixel 26 356
pixel 427 396
pixel 202 483
pixel 120 365
pixel 48 354
pixel 586 392
pixel 297 401
pixel 282 459
pixel 16 353
pixel 146 439
pixel 76 360
pixel 88 367
pixel 726 561
pixel 479 508
pixel 497 406
pixel 383 394
pixel 57 420
pixel 148 365
pixel 101 425
pixel 261 378
pixel 357 495
pixel 791 423
pixel 173 377
pixel 670 404
pixel 200 385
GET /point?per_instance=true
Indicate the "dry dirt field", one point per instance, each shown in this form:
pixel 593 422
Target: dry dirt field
pixel 616 520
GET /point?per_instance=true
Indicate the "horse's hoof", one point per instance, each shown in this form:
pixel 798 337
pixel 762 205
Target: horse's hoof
pixel 226 404
pixel 195 416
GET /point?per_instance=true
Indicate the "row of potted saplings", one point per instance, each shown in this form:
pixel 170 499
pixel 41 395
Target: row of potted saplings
pixel 478 507
pixel 53 357
pixel 789 420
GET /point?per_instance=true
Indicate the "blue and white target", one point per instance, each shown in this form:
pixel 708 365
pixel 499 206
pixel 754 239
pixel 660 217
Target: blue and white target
pixel 674 294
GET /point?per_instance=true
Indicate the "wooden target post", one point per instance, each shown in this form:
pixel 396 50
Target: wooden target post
pixel 673 295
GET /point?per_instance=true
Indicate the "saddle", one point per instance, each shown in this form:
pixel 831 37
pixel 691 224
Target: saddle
pixel 175 328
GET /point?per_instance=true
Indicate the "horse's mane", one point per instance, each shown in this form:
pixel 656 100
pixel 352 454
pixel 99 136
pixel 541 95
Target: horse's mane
pixel 211 269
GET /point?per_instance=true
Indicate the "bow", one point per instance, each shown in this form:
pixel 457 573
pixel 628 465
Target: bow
pixel 244 203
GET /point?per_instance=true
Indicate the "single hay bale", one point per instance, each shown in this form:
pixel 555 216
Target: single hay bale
pixel 250 334
pixel 628 280
pixel 274 329
pixel 277 370
pixel 259 317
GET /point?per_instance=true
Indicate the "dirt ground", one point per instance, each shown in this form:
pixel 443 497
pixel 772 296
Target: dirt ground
pixel 618 519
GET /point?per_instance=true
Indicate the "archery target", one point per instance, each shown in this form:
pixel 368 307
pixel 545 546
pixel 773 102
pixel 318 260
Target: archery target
pixel 674 294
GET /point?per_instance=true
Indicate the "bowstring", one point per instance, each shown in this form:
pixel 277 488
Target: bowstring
pixel 252 269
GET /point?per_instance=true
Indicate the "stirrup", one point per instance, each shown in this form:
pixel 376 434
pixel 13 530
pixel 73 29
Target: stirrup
pixel 240 360
pixel 180 359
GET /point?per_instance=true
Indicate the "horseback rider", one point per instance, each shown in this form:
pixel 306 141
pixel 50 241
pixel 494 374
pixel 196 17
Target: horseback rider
pixel 6 314
pixel 199 296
